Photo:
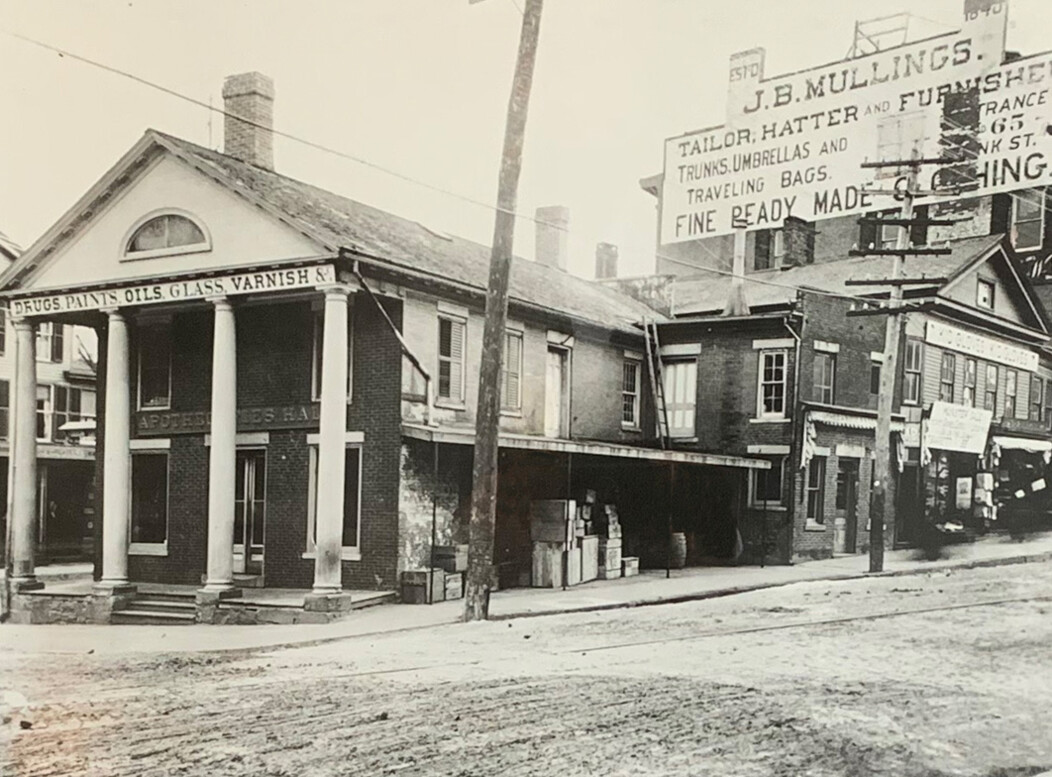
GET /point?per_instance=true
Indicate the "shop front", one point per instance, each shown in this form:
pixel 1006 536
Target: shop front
pixel 957 481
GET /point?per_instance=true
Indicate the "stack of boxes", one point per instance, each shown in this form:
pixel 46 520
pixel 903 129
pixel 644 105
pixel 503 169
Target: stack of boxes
pixel 610 545
pixel 453 560
pixel 553 526
pixel 442 583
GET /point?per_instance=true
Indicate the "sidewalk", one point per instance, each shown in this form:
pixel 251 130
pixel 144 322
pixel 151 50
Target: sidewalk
pixel 648 589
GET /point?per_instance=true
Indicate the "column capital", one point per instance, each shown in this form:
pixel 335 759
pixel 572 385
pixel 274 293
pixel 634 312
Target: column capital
pixel 22 323
pixel 221 302
pixel 113 313
pixel 335 290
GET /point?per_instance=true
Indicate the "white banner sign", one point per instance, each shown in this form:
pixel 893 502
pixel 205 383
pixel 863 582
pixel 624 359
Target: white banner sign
pixel 957 428
pixel 794 145
pixel 980 346
pixel 176 291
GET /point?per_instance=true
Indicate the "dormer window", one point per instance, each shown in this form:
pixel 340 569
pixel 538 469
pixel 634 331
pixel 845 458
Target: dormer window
pixel 169 233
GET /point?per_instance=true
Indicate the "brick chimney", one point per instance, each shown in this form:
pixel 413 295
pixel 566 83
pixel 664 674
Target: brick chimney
pixel 249 96
pixel 552 246
pixel 605 261
pixel 799 242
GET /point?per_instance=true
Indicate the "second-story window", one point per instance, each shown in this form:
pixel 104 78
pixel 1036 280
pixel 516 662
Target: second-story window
pixel 825 377
pixel 155 367
pixel 911 389
pixel 511 372
pixel 45 416
pixel 990 394
pixel 1028 219
pixel 50 341
pixel 680 389
pixel 1048 402
pixel 630 374
pixel 71 404
pixel 1011 391
pixel 947 377
pixel 770 399
pixel 1035 398
pixel 970 374
pixel 451 344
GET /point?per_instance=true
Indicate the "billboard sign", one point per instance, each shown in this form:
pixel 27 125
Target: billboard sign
pixel 794 145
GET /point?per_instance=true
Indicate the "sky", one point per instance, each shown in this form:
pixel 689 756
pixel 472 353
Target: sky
pixel 419 87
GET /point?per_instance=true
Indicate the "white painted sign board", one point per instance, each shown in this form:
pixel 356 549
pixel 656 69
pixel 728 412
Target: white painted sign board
pixel 957 428
pixel 793 145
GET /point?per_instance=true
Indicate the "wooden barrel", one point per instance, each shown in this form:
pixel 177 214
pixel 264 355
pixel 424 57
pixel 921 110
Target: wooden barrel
pixel 678 550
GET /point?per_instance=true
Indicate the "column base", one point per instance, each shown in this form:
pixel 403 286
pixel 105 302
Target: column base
pixel 113 588
pixel 23 584
pixel 214 592
pixel 327 601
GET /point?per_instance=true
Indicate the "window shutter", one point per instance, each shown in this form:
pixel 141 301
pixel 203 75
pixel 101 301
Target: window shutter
pixel 762 250
pixel 456 355
pixel 56 342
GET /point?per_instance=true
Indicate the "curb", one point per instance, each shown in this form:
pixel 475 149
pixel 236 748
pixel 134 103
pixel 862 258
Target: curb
pixel 722 592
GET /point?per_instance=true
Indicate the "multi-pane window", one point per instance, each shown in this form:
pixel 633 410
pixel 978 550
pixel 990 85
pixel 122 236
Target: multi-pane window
pixel 318 351
pixel 772 384
pixel 816 478
pixel 824 377
pixel 777 248
pixel 766 487
pixel 352 494
pixel 984 295
pixel 149 518
pixel 50 341
pixel 45 416
pixel 947 377
pixel 71 404
pixel 1028 219
pixel 970 375
pixel 155 366
pixel 990 394
pixel 914 361
pixel 680 382
pixel 1036 384
pixel 3 331
pixel 511 372
pixel 630 374
pixel 451 343
pixel 1011 390
pixel 5 409
pixel 165 232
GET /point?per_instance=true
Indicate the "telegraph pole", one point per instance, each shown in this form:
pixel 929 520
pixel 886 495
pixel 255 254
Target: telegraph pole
pixel 892 333
pixel 484 471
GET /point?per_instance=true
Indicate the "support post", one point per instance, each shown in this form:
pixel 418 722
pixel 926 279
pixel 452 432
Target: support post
pixel 222 455
pixel 116 464
pixel 332 443
pixel 484 470
pixel 24 461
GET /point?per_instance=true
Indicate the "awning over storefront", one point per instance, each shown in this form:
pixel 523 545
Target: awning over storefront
pixel 847 421
pixel 1022 444
pixel 585 447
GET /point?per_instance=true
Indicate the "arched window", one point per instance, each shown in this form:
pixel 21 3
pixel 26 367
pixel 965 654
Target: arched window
pixel 166 232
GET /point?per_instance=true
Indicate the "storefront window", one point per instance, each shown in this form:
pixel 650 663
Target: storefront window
pixel 351 499
pixel 816 478
pixel 766 486
pixel 990 395
pixel 149 498
pixel 1011 388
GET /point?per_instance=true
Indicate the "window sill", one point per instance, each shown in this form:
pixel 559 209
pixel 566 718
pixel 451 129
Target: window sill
pixel 511 413
pixel 814 526
pixel 447 404
pixel 772 420
pixel 771 508
pixel 630 428
pixel 674 438
pixel 148 408
pixel 406 397
pixel 346 554
pixel 148 549
pixel 154 253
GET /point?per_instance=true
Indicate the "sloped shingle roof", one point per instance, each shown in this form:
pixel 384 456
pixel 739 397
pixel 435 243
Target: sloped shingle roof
pixel 708 293
pixel 345 223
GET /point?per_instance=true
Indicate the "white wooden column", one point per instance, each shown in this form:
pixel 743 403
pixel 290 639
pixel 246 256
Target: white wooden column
pixel 331 445
pixel 116 459
pixel 222 454
pixel 24 459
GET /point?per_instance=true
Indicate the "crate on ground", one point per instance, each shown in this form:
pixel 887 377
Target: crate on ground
pixel 415 583
pixel 589 558
pixel 629 566
pixel 454 585
pixel 610 556
pixel 551 520
pixel 452 558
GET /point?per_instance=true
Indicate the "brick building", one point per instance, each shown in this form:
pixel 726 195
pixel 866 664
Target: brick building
pixel 797 379
pixel 288 378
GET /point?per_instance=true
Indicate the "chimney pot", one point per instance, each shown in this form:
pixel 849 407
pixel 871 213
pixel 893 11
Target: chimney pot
pixel 553 237
pixel 249 96
pixel 605 261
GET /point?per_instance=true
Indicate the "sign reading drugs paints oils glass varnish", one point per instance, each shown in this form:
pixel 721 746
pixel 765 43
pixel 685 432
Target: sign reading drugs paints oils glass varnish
pixel 176 291
pixel 794 145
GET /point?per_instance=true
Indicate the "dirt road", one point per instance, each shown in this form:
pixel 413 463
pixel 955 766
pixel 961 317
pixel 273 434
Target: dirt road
pixel 795 681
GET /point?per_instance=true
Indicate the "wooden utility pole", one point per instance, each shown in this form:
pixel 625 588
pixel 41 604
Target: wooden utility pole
pixel 484 473
pixel 892 335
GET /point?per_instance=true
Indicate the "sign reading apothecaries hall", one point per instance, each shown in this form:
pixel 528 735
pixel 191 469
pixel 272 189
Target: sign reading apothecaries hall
pixel 177 291
pixel 152 423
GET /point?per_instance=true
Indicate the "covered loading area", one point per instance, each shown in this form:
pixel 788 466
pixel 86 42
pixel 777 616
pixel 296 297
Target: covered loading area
pixel 696 497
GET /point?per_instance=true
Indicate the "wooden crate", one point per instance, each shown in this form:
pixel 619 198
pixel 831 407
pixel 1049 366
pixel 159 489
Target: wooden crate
pixel 589 558
pixel 452 558
pixel 454 585
pixel 606 573
pixel 629 566
pixel 415 584
pixel 547 570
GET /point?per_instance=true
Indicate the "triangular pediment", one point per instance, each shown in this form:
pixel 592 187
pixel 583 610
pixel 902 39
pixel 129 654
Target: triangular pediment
pixel 993 284
pixel 91 244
